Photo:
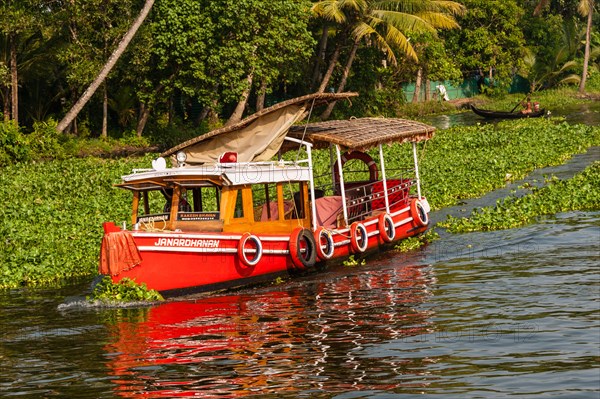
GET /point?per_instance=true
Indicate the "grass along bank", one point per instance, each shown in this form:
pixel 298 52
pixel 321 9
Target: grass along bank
pixel 582 192
pixel 53 210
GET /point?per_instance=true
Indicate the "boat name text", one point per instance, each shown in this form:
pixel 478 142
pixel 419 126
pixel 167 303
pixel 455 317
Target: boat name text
pixel 186 242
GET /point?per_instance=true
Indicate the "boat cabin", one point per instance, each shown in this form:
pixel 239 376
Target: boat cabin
pixel 233 197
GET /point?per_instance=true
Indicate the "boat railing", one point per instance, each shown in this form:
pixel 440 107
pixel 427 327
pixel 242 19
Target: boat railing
pixel 364 198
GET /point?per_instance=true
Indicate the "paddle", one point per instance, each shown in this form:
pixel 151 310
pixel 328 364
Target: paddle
pixel 519 103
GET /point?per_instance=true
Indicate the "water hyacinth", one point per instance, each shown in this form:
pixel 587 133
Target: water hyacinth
pixel 53 210
pixel 582 192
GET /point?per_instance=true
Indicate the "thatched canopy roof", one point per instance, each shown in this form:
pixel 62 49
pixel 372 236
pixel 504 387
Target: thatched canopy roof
pixel 363 133
pixel 301 103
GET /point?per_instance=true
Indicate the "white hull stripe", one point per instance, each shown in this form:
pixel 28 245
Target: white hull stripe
pixel 341 243
pixel 210 250
pixel 372 221
pixel 400 211
pixel 400 223
pixel 206 236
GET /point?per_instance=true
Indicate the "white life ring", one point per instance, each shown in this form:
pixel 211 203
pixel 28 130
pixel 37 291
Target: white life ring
pixel 418 213
pixel 243 255
pixel 387 230
pixel 359 239
pixel 323 234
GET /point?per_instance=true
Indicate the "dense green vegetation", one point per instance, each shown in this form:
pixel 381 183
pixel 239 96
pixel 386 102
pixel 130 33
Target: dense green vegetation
pixel 194 64
pixel 52 215
pixel 467 162
pixel 53 209
pixel 582 192
pixel 125 291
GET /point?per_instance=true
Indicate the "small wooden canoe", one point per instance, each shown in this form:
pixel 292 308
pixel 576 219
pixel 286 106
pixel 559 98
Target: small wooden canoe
pixel 506 115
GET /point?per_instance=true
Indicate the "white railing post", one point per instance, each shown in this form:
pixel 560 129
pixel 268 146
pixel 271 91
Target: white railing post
pixel 341 182
pixel 313 204
pixel 384 179
pixel 414 146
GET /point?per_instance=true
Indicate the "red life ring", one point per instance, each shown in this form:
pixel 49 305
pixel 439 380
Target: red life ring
pixel 359 239
pixel 323 234
pixel 363 156
pixel 303 248
pixel 387 230
pixel 417 211
pixel 242 249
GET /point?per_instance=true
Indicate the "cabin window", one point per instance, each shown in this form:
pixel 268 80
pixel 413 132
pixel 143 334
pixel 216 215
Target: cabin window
pixel 293 195
pixel 270 199
pixel 199 203
pixel 239 205
pixel 152 206
pixel 205 199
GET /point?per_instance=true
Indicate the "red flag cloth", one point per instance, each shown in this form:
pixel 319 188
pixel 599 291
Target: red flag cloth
pixel 118 253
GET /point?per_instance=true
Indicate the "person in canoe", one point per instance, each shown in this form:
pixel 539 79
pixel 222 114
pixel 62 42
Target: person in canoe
pixel 527 107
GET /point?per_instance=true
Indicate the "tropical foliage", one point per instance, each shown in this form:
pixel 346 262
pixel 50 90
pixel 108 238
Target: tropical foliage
pixel 198 63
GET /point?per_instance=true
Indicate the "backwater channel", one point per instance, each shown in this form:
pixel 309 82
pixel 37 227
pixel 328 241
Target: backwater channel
pixel 513 313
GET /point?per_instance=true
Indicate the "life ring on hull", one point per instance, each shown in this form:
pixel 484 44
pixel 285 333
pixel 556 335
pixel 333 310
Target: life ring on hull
pixel 359 239
pixel 418 213
pixel 322 234
pixel 363 156
pixel 386 227
pixel 258 249
pixel 303 248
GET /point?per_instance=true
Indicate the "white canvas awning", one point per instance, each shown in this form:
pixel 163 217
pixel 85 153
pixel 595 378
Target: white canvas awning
pixel 256 138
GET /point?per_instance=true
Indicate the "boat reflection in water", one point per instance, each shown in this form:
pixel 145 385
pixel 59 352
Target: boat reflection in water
pixel 321 336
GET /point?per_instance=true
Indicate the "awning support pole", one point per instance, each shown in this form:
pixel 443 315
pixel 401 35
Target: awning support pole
pixel 341 182
pixel 414 146
pixel 313 204
pixel 385 189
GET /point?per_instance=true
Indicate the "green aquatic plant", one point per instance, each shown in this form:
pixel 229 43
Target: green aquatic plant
pixel 416 242
pixel 124 291
pixel 582 192
pixel 351 262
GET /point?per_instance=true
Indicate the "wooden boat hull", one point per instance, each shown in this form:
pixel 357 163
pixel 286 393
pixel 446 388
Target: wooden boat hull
pixel 506 115
pixel 179 262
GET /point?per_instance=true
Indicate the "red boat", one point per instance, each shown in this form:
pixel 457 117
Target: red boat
pixel 226 214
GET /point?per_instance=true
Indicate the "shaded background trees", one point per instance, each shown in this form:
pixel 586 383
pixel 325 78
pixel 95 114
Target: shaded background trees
pixel 195 64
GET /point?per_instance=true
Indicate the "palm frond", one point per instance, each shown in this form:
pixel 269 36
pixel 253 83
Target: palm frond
pixel 404 22
pixel 571 79
pixel 439 20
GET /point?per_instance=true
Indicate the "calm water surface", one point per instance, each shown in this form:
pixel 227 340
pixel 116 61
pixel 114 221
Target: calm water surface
pixel 483 315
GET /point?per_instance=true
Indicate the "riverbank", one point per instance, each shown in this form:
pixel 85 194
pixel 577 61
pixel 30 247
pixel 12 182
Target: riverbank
pixel 52 229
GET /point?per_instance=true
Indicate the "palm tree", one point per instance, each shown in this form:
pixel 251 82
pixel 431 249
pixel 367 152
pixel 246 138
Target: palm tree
pixel 386 24
pixel 112 60
pixel 586 8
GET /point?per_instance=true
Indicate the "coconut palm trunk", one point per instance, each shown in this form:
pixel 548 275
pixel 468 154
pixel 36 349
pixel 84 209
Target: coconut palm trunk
pixel 342 86
pixel 321 56
pixel 583 7
pixel 14 80
pixel 417 94
pixel 327 76
pixel 237 114
pixel 112 60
